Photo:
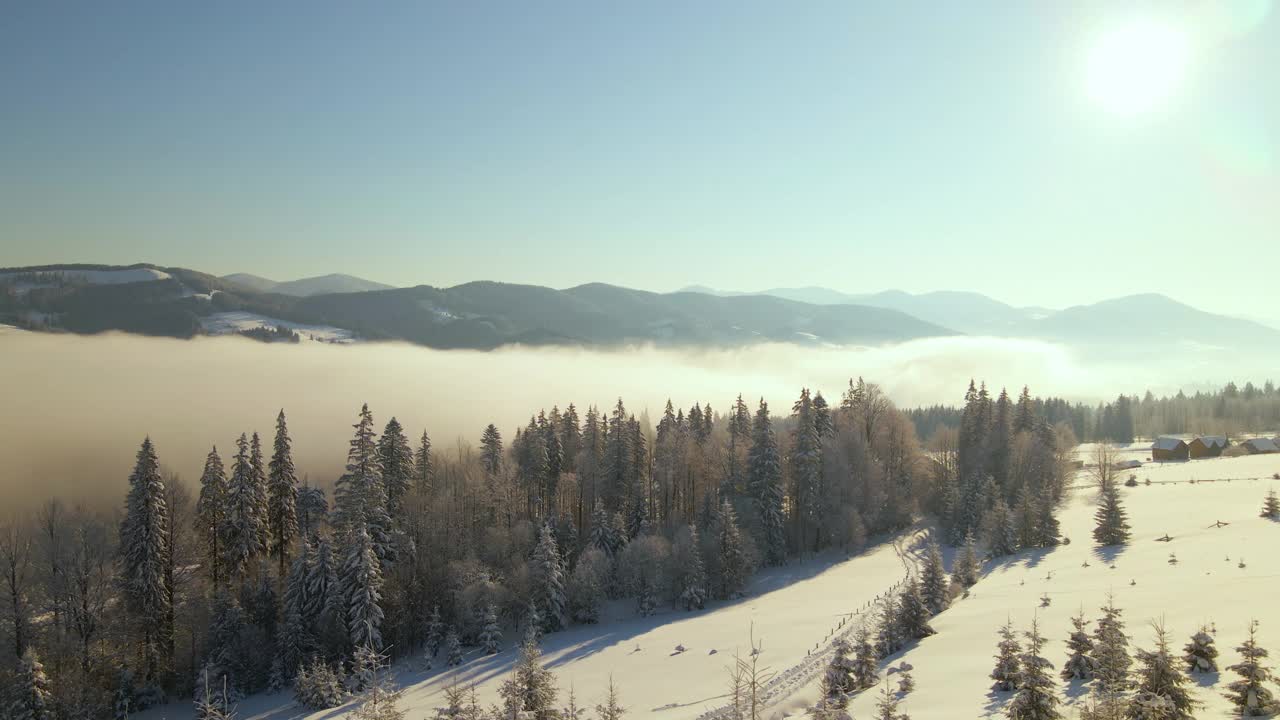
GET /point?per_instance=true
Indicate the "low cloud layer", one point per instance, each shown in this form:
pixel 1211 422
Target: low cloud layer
pixel 75 408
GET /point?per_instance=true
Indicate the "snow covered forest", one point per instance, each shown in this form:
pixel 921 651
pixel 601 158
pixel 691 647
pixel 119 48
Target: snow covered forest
pixel 247 581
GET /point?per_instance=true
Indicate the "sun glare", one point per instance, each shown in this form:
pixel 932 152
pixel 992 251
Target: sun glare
pixel 1136 67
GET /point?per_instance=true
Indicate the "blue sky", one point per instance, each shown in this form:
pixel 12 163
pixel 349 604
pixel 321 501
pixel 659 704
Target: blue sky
pixel 744 145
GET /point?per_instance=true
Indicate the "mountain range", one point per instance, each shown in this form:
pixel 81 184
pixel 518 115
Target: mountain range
pixel 179 302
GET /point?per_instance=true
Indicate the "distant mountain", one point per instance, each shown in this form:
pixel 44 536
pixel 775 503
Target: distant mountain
pixel 1150 318
pixel 482 315
pixel 1135 324
pixel 306 287
pixel 968 312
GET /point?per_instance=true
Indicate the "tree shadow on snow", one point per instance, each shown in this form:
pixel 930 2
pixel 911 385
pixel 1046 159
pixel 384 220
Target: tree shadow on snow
pixel 996 700
pixel 1205 680
pixel 1076 689
pixel 1108 553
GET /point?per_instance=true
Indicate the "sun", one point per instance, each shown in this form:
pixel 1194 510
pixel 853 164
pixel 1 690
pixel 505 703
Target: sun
pixel 1136 67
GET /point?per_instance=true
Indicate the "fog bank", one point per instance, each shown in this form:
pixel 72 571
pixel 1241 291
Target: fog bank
pixel 76 407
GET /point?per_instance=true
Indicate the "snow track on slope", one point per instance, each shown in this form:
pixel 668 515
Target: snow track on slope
pixel 782 685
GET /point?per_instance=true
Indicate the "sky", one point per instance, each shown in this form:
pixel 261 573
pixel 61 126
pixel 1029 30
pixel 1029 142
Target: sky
pixel 1036 152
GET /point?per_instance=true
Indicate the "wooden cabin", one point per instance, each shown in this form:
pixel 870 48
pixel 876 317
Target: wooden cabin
pixel 1167 448
pixel 1261 446
pixel 1207 446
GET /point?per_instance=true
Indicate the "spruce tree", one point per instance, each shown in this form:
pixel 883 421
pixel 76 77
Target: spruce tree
pixel 889 638
pixel 258 471
pixel 1271 506
pixel 611 708
pixel 933 580
pixel 1008 670
pixel 1037 697
pixel 837 680
pixel 211 513
pixel 296 640
pixel 1160 684
pixel 282 495
pixel 1080 664
pixel 1111 650
pixel 491 633
pixel 1200 655
pixel 491 451
pixel 360 499
pixel 530 691
pixel 435 631
pixel 547 578
pixel 1002 536
pixel 865 663
pixel 423 472
pixel 913 613
pixel 764 483
pixel 1112 521
pixel 806 470
pixel 243 541
pixel 323 598
pixel 362 589
pixel 690 579
pixel 1250 694
pixel 144 555
pixel 453 648
pixel 734 564
pixel 1048 531
pixel 887 705
pixel 31 697
pixel 395 464
pixel 967 567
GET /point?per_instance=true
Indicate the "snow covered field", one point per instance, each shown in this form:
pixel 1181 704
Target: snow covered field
pixel 95 277
pixel 1207 585
pixel 795 609
pixel 226 323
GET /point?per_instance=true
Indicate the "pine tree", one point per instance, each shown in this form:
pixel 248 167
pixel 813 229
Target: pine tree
pixel 453 648
pixel 318 687
pixel 602 535
pixel 362 590
pixel 1271 506
pixel 764 483
pixel 913 613
pixel 1008 669
pixel 214 704
pixel 837 680
pixel 1080 664
pixel 967 568
pixel 282 495
pixel 889 637
pixel 533 623
pixel 734 563
pixel 611 708
pixel 323 589
pixel 435 632
pixel 1111 650
pixel 1025 519
pixel 1250 694
pixel 243 541
pixel 531 688
pixel 865 666
pixel 1200 655
pixel 225 663
pixel 144 552
pixel 423 473
pixel 395 464
pixel 31 697
pixel 491 634
pixel 1037 698
pixel 933 580
pixel 211 513
pixel 1112 521
pixel 313 510
pixel 547 577
pixel 1160 684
